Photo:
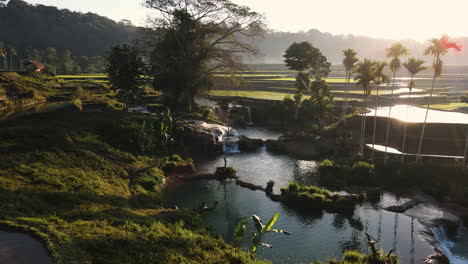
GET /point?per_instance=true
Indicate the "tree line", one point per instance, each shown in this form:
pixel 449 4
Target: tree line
pixel 85 34
pixel 57 62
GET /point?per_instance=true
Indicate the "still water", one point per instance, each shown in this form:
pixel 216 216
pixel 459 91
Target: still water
pixel 414 114
pixel 314 236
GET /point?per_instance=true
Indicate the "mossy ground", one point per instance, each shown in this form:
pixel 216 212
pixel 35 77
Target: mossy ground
pixel 80 183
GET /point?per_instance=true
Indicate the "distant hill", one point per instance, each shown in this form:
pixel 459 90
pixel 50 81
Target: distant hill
pixel 40 27
pixel 89 34
pixel 274 43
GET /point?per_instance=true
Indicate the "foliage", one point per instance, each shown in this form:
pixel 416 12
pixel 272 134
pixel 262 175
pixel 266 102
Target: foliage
pixel 312 197
pixel 125 70
pixel 310 63
pixel 239 231
pixel 79 188
pixel 194 39
pixel 26 25
pixel 336 175
pixel 414 66
pixel 261 230
pixel 395 52
pixel 464 98
pixel 353 257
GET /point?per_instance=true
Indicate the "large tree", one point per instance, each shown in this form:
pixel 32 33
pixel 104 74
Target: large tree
pixel 126 70
pixel 396 51
pixel 310 63
pixel 414 66
pixel 437 48
pixel 192 39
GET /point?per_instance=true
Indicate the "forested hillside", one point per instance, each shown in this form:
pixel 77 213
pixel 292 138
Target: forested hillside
pixel 274 43
pixel 41 27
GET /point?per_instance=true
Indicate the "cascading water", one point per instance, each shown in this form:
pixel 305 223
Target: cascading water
pixel 446 245
pixel 249 111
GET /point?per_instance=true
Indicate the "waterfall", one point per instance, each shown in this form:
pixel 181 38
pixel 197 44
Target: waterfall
pixel 249 111
pixel 444 244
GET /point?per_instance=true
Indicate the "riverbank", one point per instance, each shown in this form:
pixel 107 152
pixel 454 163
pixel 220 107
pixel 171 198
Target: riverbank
pixel 85 185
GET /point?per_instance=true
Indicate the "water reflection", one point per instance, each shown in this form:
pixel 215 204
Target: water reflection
pixel 417 114
pixel 315 235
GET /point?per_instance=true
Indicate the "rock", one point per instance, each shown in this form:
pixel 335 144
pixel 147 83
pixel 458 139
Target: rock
pixel 296 147
pixel 248 185
pixel 401 208
pixel 202 137
pixel 249 144
pixel 437 258
pixel 275 146
pixel 225 173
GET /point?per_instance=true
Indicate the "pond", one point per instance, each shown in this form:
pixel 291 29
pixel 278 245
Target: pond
pixel 414 114
pixel 314 236
pixel 22 249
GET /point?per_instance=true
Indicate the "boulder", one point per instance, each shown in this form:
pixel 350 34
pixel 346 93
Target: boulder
pixel 200 138
pixel 249 144
pixel 298 148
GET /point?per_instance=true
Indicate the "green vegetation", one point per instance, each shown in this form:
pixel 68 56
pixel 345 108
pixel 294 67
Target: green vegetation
pixel 126 70
pixel 88 36
pixel 312 67
pixel 89 192
pixel 312 197
pixel 353 257
pixel 190 46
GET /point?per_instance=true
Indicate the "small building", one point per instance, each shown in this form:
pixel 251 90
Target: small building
pixel 34 66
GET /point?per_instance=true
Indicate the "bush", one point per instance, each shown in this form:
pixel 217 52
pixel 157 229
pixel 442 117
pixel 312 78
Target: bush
pixel 464 98
pixel 352 257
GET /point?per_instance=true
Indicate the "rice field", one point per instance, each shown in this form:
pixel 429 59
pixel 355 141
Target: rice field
pixel 274 82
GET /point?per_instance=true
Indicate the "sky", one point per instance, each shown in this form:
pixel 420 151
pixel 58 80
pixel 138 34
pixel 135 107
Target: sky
pixel 395 19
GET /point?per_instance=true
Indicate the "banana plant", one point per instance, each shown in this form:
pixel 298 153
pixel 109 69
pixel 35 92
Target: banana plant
pixel 239 232
pixel 262 229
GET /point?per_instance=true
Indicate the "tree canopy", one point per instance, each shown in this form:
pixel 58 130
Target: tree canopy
pixel 192 39
pixel 39 26
pixel 126 71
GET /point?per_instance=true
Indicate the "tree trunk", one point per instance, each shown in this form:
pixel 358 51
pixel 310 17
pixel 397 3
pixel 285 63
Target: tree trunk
pixel 375 124
pixel 418 154
pixel 11 63
pixel 406 122
pixel 363 125
pixel 388 121
pixel 345 99
pixel 466 151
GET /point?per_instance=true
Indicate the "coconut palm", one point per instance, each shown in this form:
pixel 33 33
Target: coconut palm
pixel 394 53
pixel 379 78
pixel 3 53
pixel 414 66
pixel 364 77
pixel 349 63
pixel 437 48
pixel 11 51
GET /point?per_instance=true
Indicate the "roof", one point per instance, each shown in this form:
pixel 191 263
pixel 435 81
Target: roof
pixel 39 65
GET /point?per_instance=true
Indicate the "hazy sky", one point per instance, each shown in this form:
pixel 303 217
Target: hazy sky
pixel 397 19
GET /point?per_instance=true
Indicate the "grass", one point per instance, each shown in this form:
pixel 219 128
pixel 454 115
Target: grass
pixel 78 182
pixel 451 107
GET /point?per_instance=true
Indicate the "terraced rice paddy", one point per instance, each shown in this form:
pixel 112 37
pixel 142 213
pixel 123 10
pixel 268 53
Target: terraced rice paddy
pixel 274 82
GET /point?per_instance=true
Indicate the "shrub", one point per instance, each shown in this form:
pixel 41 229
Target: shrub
pixel 352 257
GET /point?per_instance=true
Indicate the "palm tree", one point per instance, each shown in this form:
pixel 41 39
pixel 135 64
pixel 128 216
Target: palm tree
pixel 379 78
pixel 11 51
pixel 3 54
pixel 364 77
pixel 414 66
pixel 437 48
pixel 349 63
pixel 394 52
